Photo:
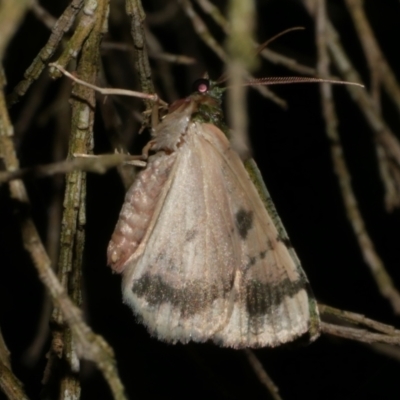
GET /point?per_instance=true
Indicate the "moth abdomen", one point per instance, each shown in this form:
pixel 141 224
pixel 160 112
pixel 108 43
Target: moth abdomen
pixel 137 210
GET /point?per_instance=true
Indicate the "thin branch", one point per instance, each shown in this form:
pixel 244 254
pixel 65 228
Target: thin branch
pixel 74 45
pixel 11 14
pixel 359 335
pixel 380 73
pixel 376 59
pixel 348 317
pixel 201 29
pixel 96 164
pixel 105 91
pixel 43 15
pixel 371 257
pixel 155 54
pixel 135 11
pixel 89 345
pixel 262 375
pixel 10 384
pixel 33 72
pixel 242 19
pixel 268 54
pixel 383 133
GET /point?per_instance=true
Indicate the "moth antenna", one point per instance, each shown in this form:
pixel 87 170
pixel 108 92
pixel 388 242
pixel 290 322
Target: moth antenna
pixel 224 77
pixel 284 80
pixel 268 41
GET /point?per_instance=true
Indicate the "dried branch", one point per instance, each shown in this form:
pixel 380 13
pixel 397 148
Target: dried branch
pixel 268 54
pixel 11 14
pixel 382 132
pixel 348 317
pixel 88 345
pixel 74 219
pixel 105 91
pixel 359 335
pixel 201 29
pixel 371 257
pixel 33 72
pixel 154 53
pixel 262 375
pixel 381 73
pixel 74 45
pixel 135 11
pixel 241 17
pixel 4 352
pixel 382 333
pixel 96 164
pixel 43 15
pixel 10 385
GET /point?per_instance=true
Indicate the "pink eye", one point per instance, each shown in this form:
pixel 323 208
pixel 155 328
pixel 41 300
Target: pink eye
pixel 201 85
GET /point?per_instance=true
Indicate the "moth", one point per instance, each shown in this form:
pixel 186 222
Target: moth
pixel 201 249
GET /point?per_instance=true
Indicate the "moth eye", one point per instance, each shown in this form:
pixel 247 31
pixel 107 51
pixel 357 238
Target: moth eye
pixel 201 85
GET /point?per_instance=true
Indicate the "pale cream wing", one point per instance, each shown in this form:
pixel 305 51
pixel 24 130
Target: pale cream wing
pixel 214 266
pixel 180 284
pixel 272 304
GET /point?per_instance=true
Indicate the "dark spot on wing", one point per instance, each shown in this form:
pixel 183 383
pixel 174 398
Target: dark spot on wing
pixel 244 222
pixel 161 256
pixel 190 299
pixel 251 262
pixel 262 298
pixel 263 254
pixel 191 234
pixel 285 240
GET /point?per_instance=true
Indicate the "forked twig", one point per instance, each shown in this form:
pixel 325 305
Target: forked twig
pixel 107 91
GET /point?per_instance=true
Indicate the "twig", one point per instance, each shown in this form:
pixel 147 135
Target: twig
pixel 74 218
pixel 383 333
pixel 155 54
pixel 163 69
pixel 268 54
pixel 11 14
pixel 62 26
pixel 387 350
pixel 242 19
pixel 371 258
pixel 89 345
pixel 135 11
pixel 355 319
pixel 9 383
pixel 4 352
pixel 374 54
pixel 105 91
pixel 381 73
pixel 359 335
pixel 262 374
pixel 201 29
pixel 74 45
pixel 60 143
pixel 164 15
pixel 95 164
pixel 383 133
pixel 43 15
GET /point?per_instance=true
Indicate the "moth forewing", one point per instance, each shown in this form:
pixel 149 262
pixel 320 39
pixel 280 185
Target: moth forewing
pixel 273 280
pixel 256 177
pixel 201 256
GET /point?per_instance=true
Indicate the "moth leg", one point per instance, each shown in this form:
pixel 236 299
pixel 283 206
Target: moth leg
pixel 147 148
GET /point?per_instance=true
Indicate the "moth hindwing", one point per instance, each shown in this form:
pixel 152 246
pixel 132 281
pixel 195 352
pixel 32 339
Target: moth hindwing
pixel 202 251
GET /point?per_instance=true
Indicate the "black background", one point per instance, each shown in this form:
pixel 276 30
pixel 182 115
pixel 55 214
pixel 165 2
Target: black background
pixel 293 154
